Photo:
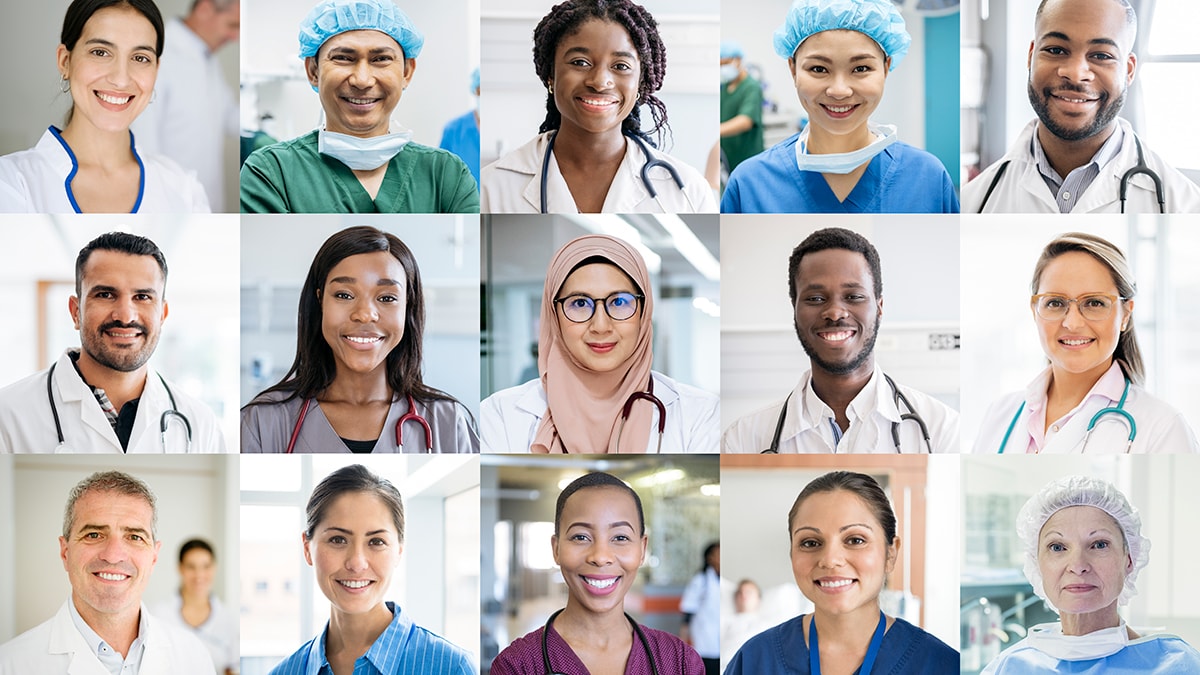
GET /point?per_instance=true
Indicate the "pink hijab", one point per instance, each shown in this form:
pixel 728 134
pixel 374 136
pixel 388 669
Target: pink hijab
pixel 584 407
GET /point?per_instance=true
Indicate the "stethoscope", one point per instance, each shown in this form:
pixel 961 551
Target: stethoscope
pixel 814 652
pixel 1119 411
pixel 1139 168
pixel 163 421
pixel 636 396
pixel 649 164
pixel 636 628
pixel 410 416
pixel 897 397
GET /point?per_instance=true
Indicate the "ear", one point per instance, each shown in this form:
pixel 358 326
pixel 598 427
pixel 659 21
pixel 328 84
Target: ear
pixel 1029 57
pixel 310 69
pixel 554 547
pixel 645 545
pixel 887 66
pixel 880 305
pixel 307 553
pixel 73 306
pixel 1128 315
pixel 157 546
pixel 166 310
pixel 410 67
pixel 1130 68
pixel 62 551
pixel 63 58
pixel 792 67
pixel 893 554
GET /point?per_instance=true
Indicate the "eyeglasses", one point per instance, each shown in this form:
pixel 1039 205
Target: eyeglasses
pixel 1092 306
pixel 619 306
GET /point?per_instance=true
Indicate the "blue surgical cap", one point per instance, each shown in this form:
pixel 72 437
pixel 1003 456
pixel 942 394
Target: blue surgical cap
pixel 877 19
pixel 331 17
pixel 474 79
pixel 731 50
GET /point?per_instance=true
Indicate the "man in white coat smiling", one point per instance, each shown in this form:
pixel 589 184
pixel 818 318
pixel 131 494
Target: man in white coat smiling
pixel 108 546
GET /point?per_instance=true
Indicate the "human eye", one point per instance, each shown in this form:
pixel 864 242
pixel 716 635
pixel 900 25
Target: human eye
pixel 1054 301
pixel 1055 547
pixel 855 297
pixel 856 540
pixel 98 51
pixel 863 69
pixel 343 295
pixel 389 298
pixel 579 302
pixel 142 58
pixel 93 535
pixel 814 299
pixel 620 300
pixel 819 70
pixel 808 543
pixel 378 541
pixel 1101 544
pixel 1096 301
pixel 1054 50
pixel 580 62
pixel 578 537
pixel 337 540
pixel 622 66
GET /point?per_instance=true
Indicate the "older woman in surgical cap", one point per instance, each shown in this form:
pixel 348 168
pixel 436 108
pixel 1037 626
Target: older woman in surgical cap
pixel 359 56
pixel 840 53
pixel 1083 552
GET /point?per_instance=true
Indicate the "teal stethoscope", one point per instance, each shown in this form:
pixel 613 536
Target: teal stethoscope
pixel 1119 411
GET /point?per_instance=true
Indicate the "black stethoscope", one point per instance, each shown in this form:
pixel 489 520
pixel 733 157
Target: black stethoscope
pixel 636 628
pixel 650 163
pixel 411 415
pixel 636 396
pixel 163 421
pixel 897 397
pixel 1139 168
pixel 1118 410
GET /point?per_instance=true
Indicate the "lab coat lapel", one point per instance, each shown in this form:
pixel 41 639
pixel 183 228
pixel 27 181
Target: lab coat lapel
pixel 66 640
pixel 627 192
pixel 145 435
pixel 72 391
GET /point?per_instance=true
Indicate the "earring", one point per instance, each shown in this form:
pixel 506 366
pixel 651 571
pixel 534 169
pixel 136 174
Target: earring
pixel 550 88
pixel 64 85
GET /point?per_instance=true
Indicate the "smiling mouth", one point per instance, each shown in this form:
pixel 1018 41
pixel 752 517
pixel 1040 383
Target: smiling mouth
pixel 600 583
pixel 360 101
pixel 356 585
pixel 364 340
pixel 113 100
pixel 837 335
pixel 1076 342
pixel 112 576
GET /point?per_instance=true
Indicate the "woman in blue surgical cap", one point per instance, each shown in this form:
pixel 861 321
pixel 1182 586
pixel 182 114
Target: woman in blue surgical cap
pixel 1083 551
pixel 840 53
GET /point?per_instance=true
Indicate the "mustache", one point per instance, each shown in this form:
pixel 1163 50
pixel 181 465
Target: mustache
pixel 1074 89
pixel 120 568
pixel 120 324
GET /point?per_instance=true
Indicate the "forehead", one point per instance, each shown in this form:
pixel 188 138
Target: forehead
pixel 599 35
pixel 828 511
pixel 358 512
pixel 113 509
pixel 121 270
pixel 368 267
pixel 597 278
pixel 1076 271
pixel 119 23
pixel 839 44
pixel 595 502
pixel 1080 520
pixel 1085 20
pixel 197 556
pixel 834 266
pixel 362 41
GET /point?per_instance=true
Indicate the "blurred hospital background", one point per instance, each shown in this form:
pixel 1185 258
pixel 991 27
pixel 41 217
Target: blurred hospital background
pixel 757 494
pixel 520 586
pixel 1002 351
pixel 278 250
pixel 514 100
pixel 761 358
pixel 681 254
pixel 199 335
pixel 437 581
pixel 197 497
pixel 920 94
pixel 997 602
pixel 995 107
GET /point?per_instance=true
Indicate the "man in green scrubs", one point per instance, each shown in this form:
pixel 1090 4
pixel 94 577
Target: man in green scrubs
pixel 359 55
pixel 741 108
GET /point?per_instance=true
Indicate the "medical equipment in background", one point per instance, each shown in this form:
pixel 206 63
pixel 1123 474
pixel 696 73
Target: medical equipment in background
pixel 650 163
pixel 163 421
pixel 636 628
pixel 1119 411
pixel 897 397
pixel 411 415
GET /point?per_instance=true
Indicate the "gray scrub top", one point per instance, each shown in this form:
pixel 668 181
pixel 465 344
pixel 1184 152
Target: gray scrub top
pixel 268 428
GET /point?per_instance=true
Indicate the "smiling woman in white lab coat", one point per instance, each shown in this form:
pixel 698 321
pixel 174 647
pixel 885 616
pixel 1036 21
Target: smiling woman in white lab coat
pixel 596 392
pixel 601 63
pixel 108 62
pixel 1090 397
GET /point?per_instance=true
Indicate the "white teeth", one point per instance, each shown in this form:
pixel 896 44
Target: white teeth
pixel 363 340
pixel 838 336
pixel 113 100
pixel 835 584
pixel 598 583
pixel 590 101
pixel 840 109
pixel 1075 343
pixel 112 577
pixel 354 584
pixel 360 101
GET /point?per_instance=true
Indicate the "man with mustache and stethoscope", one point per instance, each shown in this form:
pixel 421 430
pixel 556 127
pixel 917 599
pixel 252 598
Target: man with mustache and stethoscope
pixel 104 397
pixel 845 403
pixel 1078 156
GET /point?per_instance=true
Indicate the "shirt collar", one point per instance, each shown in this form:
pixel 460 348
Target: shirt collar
pixel 1110 386
pixel 99 647
pixel 384 655
pixel 870 400
pixel 1107 151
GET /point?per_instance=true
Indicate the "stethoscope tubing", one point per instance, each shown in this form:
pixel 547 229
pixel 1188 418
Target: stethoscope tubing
pixel 163 420
pixel 410 416
pixel 636 629
pixel 1118 410
pixel 649 164
pixel 626 409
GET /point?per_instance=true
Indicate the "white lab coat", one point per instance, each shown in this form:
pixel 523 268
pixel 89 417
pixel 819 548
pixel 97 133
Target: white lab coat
pixel 702 599
pixel 806 428
pixel 1160 428
pixel 57 648
pixel 509 419
pixel 219 633
pixel 513 184
pixel 1023 190
pixel 27 423
pixel 35 180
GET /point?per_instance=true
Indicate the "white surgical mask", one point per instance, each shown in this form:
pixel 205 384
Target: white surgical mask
pixel 362 154
pixel 1049 639
pixel 729 73
pixel 844 162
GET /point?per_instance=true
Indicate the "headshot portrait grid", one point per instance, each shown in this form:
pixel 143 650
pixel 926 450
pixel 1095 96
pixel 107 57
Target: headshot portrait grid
pixel 1069 564
pixel 128 350
pixel 110 592
pixel 868 363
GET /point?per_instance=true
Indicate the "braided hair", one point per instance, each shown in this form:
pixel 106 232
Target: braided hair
pixel 565 19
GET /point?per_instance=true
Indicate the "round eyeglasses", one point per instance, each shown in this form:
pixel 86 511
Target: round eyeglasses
pixel 619 306
pixel 1092 306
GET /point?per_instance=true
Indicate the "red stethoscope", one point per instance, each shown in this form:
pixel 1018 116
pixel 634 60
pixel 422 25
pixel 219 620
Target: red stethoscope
pixel 411 415
pixel 636 396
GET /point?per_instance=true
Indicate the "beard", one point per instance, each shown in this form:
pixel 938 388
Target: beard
pixel 121 360
pixel 852 363
pixel 1105 113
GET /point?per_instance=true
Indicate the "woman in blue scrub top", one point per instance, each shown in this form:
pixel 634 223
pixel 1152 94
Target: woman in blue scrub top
pixel 840 53
pixel 843 546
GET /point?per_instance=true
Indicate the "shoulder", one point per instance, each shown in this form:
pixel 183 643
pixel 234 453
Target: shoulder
pixel 774 159
pixel 521 654
pixel 688 395
pixel 768 646
pixel 526 159
pixel 926 403
pixel 913 158
pixel 22 389
pixel 429 649
pixel 195 407
pixel 922 650
pixel 666 642
pixel 297 663
pixel 301 145
pixel 506 399
pixel 999 414
pixel 25 652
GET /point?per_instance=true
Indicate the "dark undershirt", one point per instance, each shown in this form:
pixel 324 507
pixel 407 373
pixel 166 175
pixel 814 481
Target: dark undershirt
pixel 123 427
pixel 360 447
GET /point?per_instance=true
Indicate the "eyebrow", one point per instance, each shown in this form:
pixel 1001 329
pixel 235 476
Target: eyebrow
pixel 1056 35
pixel 848 284
pixel 585 50
pixel 619 523
pixel 826 59
pixel 840 529
pixel 345 531
pixel 106 43
pixel 113 289
pixel 84 529
pixel 351 280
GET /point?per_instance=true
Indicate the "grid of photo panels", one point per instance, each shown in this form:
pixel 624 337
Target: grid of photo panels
pixel 544 303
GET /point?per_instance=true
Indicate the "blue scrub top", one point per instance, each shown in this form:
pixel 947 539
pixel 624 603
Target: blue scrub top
pixel 1146 656
pixel 461 136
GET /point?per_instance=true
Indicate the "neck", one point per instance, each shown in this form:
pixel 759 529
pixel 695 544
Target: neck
pixel 359 388
pixel 192 598
pixel 821 142
pixel 838 390
pixel 579 625
pixel 577 147
pixel 120 387
pixel 93 146
pixel 355 633
pixel 1066 156
pixel 1068 389
pixel 853 629
pixel 1090 622
pixel 117 630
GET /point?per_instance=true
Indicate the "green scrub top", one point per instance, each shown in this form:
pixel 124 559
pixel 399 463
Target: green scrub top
pixel 292 177
pixel 745 99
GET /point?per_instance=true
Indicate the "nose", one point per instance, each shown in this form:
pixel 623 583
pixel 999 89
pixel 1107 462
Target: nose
pixel 839 87
pixel 600 322
pixel 114 550
pixel 1078 563
pixel 118 73
pixel 364 311
pixel 599 553
pixel 356 559
pixel 1076 68
pixel 1074 318
pixel 834 310
pixel 831 557
pixel 599 79
pixel 124 310
pixel 361 75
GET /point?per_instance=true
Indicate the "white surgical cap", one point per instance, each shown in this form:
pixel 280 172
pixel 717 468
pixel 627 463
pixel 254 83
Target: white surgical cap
pixel 331 17
pixel 877 19
pixel 1081 491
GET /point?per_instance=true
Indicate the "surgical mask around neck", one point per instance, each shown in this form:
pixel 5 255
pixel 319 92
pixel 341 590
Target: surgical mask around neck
pixel 1049 639
pixel 729 73
pixel 362 154
pixel 844 162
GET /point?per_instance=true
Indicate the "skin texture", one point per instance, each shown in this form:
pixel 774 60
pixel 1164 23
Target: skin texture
pixel 196 573
pixel 599 540
pixel 836 314
pixel 599 344
pixel 596 77
pixel 119 314
pixel 114 57
pixel 1083 560
pixel 364 298
pixel 360 76
pixel 356 541
pixel 834 70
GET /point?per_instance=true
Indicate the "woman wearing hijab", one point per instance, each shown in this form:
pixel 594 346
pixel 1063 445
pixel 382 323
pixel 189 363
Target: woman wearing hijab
pixel 596 392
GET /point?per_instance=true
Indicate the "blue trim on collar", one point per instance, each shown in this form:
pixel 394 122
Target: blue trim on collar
pixel 141 174
pixel 74 167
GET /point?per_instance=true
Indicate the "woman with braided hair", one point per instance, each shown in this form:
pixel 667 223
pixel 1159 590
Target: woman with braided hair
pixel 601 62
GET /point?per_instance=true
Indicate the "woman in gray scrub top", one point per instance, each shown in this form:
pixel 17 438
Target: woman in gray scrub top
pixel 355 385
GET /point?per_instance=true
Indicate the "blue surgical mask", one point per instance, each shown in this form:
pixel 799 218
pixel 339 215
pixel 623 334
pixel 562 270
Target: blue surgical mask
pixel 844 162
pixel 729 73
pixel 362 154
